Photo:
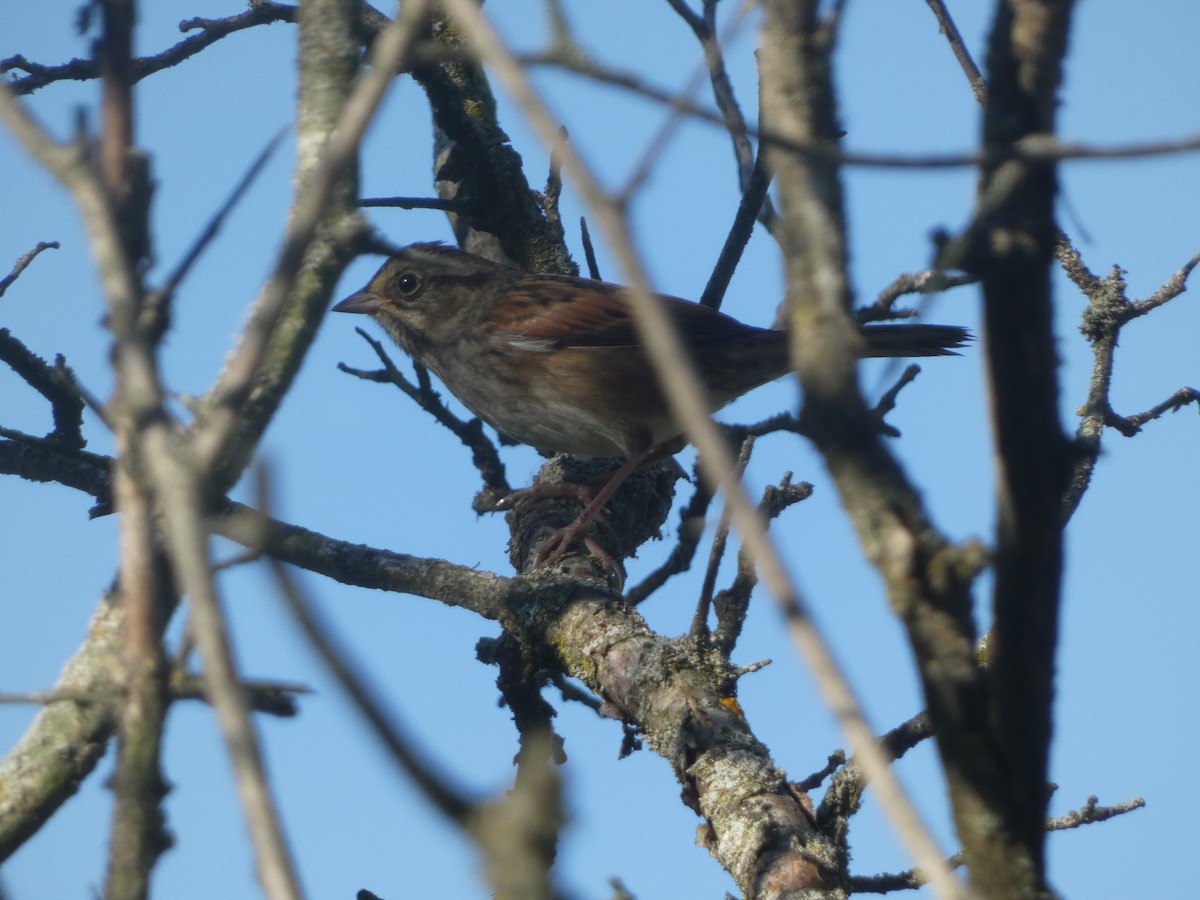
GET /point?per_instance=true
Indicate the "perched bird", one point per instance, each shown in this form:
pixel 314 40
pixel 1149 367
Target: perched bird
pixel 555 361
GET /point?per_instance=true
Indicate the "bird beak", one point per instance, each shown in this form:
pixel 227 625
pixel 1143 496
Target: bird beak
pixel 362 302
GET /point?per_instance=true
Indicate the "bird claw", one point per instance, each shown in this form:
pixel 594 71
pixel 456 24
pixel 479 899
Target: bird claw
pixel 556 545
pixel 592 495
pixel 584 493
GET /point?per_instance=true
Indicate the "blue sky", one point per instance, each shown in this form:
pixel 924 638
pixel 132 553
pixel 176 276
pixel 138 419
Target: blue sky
pixel 356 461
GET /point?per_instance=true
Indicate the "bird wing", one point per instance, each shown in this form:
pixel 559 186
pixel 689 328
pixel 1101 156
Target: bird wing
pixel 555 312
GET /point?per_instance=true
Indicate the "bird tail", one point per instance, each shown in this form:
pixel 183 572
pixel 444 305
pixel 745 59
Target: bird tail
pixel 914 340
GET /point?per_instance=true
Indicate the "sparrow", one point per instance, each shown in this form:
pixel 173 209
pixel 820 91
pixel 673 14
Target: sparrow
pixel 556 362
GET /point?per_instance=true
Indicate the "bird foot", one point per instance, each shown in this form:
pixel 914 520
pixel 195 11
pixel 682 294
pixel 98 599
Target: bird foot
pixel 558 542
pixel 584 493
pixel 555 546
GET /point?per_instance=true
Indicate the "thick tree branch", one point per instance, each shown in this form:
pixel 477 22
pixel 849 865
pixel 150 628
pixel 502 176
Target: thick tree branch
pixel 39 459
pixel 690 719
pixel 1013 253
pixel 928 579
pixel 319 241
pixel 606 645
pixel 477 169
pixel 66 740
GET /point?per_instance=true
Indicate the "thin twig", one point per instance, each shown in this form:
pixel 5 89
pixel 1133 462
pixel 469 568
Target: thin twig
pixel 836 760
pixel 589 251
pixel 23 262
pixel 1172 288
pixel 448 205
pixel 271 698
pixel 179 496
pixel 732 602
pixel 751 204
pixel 1109 310
pixel 570 692
pixel 704 28
pixel 158 304
pixel 731 116
pixel 888 401
pixel 1177 401
pixel 929 281
pixel 1092 812
pixel 717 552
pixel 961 53
pixel 470 432
pixel 1035 148
pixel 691 529
pixel 901 881
pixel 260 13
pixel 553 190
pixel 915 878
pixel 213 228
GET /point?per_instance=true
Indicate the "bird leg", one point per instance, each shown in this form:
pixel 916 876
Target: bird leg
pixel 597 493
pixel 594 495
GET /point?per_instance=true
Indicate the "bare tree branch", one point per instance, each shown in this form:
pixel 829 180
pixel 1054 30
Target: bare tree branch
pixel 731 115
pixel 65 741
pixel 1109 310
pixel 261 12
pixel 704 27
pixel 797 102
pixel 23 262
pixel 460 586
pixel 273 698
pixel 416 203
pixel 753 198
pixel 930 281
pixel 961 53
pixel 691 528
pixel 1092 812
pixel 1034 148
pixel 732 603
pixel 483 451
pixel 716 553
pixel 915 878
pixel 158 304
pixel 281 325
pixel 56 383
pixel 1027 44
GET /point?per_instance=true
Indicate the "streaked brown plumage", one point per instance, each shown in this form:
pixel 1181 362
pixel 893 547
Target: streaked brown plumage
pixel 555 361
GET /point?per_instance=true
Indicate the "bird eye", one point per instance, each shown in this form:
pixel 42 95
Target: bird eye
pixel 408 284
